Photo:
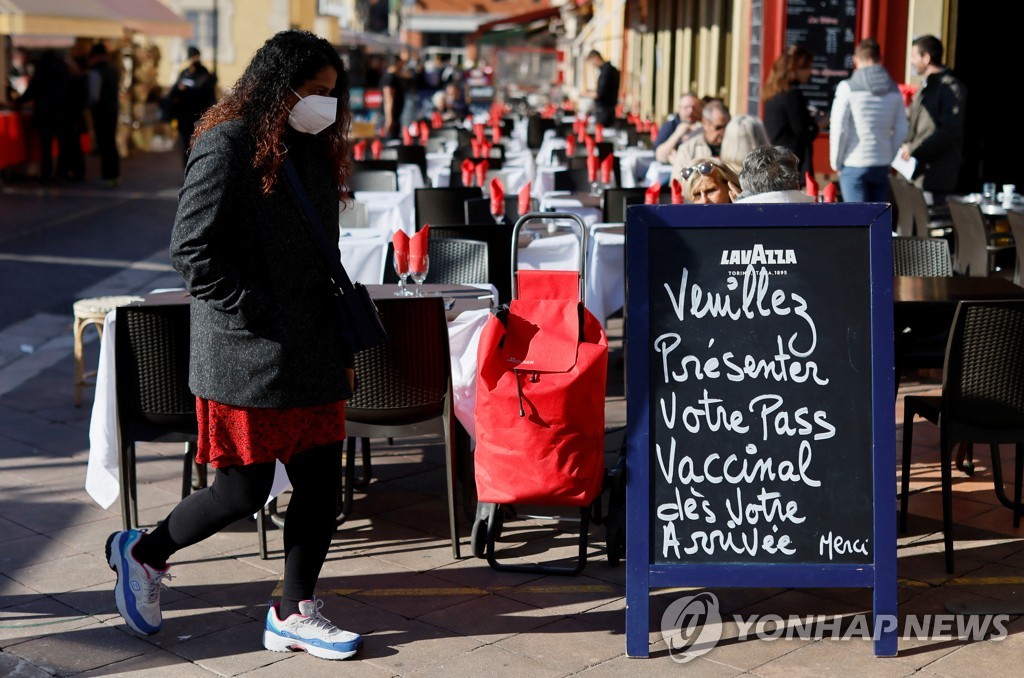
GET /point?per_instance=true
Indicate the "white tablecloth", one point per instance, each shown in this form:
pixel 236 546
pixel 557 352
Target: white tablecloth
pixel 102 479
pixel 410 177
pixel 389 211
pixel 633 165
pixel 362 253
pixel 556 201
pixel 658 173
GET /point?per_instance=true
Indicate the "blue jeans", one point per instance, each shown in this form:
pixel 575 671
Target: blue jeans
pixel 865 184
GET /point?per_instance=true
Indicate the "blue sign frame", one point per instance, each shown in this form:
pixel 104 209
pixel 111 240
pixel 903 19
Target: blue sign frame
pixel 641 574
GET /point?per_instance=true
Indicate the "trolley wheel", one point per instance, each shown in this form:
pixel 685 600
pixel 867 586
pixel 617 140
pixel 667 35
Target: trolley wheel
pixel 481 524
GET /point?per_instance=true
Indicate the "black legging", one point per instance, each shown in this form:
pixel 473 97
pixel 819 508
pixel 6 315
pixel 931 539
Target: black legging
pixel 240 491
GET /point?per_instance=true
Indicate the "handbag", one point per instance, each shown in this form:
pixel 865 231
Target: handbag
pixel 361 326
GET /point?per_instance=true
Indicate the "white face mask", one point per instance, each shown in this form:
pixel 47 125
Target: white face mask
pixel 313 114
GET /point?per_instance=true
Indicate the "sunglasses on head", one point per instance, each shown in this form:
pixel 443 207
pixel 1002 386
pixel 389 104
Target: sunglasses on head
pixel 704 168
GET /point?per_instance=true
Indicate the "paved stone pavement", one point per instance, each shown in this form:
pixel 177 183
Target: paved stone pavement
pixel 390 574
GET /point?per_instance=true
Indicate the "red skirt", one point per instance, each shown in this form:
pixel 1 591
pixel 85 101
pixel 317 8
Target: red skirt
pixel 238 436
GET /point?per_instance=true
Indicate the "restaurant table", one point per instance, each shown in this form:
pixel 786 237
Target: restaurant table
pixel 658 173
pixel 469 311
pixel 410 177
pixel 586 205
pixel 389 211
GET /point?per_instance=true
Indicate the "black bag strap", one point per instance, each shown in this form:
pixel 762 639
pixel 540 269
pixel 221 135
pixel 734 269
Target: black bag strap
pixel 334 266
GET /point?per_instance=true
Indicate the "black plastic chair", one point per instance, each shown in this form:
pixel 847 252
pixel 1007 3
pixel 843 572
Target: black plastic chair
pixel 575 180
pixel 408 155
pixel 154 403
pixel 1016 220
pixel 452 261
pixel 374 180
pixel 982 401
pixel 383 165
pixel 914 216
pixel 405 389
pixel 923 257
pixel 442 205
pixel 577 162
pixel 478 210
pixel 613 203
pixel 536 126
pixel 499 249
pixel 976 248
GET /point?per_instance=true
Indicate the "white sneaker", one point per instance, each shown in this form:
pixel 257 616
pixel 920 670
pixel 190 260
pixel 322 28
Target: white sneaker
pixel 138 585
pixel 310 631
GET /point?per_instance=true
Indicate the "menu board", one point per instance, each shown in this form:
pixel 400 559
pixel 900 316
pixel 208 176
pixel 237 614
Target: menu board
pixel 760 349
pixel 826 28
pixel 760 445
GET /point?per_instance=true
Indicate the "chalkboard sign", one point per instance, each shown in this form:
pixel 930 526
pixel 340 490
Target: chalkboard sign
pixel 826 28
pixel 761 434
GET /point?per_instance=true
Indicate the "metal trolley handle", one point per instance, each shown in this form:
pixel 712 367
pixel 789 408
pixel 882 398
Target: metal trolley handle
pixel 540 216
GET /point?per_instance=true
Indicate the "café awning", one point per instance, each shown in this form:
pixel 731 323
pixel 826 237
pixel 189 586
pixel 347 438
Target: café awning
pixel 86 18
pixel 89 18
pixel 515 22
pixel 148 16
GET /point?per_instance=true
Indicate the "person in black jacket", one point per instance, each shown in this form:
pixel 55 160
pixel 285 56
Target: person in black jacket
pixel 787 117
pixel 192 93
pixel 47 91
pixel 104 90
pixel 268 366
pixel 606 97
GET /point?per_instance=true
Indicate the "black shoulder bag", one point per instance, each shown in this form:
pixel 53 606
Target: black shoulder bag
pixel 361 327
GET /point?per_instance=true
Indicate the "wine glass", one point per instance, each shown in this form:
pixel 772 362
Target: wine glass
pixel 418 266
pixel 401 262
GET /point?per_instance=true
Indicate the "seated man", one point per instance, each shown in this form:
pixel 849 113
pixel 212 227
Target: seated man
pixel 714 118
pixel 678 128
pixel 771 174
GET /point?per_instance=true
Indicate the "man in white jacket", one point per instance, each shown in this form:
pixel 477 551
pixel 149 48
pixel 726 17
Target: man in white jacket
pixel 869 122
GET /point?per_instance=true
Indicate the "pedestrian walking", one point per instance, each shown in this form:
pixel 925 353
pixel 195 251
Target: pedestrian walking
pixel 104 86
pixel 787 118
pixel 192 93
pixel 268 366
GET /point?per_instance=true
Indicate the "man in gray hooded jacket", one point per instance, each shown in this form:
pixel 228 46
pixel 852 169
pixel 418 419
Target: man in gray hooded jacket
pixel 869 122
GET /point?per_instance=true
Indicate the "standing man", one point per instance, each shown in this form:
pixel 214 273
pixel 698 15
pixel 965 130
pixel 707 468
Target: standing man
pixel 679 127
pixel 193 93
pixel 393 101
pixel 104 84
pixel 708 144
pixel 936 135
pixel 606 97
pixel 869 123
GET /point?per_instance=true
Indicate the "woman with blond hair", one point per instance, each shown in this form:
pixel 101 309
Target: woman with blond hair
pixel 743 134
pixel 709 182
pixel 787 117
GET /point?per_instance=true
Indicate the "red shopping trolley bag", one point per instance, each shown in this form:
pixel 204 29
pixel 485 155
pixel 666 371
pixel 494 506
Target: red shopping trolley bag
pixel 543 364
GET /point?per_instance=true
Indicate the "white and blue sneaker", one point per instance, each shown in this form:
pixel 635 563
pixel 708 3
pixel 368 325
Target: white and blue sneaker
pixel 138 585
pixel 309 631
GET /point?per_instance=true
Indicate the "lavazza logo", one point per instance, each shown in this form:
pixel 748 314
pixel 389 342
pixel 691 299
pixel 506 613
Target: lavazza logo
pixel 692 626
pixel 758 256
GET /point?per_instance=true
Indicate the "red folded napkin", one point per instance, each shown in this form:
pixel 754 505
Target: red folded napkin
pixel 653 129
pixel 467 172
pixel 481 172
pixel 651 194
pixel 524 199
pixel 607 166
pixel 598 132
pixel 436 121
pixel 485 149
pixel 359 150
pixel 475 145
pixel 497 196
pixel 376 147
pixel 406 136
pixel 589 141
pixel 593 165
pixel 677 192
pixel 424 132
pixel 812 185
pixel 831 192
pixel 496 132
pixel 576 126
pixel 400 241
pixel 631 119
pixel 418 246
pixel 478 132
pixel 619 108
pixel 570 146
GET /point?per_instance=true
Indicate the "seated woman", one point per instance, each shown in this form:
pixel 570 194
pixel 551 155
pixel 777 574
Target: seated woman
pixel 709 182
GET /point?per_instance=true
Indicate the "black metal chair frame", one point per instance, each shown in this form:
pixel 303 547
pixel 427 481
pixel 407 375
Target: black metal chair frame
pixel 452 261
pixel 373 180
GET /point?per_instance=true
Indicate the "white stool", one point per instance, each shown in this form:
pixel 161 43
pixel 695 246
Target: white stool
pixel 91 312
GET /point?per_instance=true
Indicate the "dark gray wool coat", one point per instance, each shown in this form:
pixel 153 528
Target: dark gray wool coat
pixel 264 327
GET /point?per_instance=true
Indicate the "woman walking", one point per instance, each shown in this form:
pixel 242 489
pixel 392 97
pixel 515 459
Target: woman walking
pixel 268 367
pixel 787 117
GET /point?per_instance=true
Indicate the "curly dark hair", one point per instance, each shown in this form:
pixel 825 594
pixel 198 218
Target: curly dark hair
pixel 262 99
